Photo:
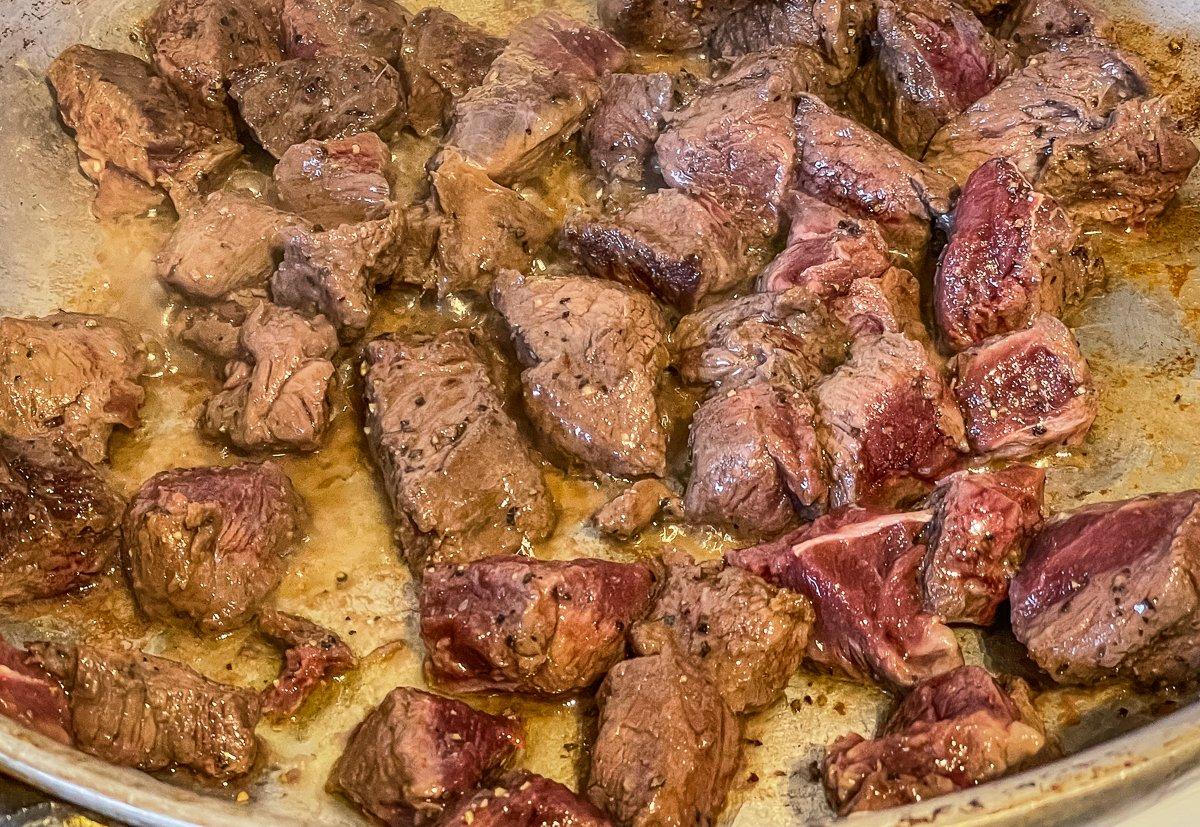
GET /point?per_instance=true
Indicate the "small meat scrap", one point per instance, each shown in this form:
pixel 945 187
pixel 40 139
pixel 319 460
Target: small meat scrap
pixel 208 544
pixel 71 376
pixel 1037 25
pixel 320 98
pixel 120 195
pixel 342 181
pixel 952 732
pixel 619 137
pixel 516 624
pixel 593 352
pixel 461 479
pixel 417 752
pixel 1024 392
pixel 311 654
pixel 441 59
pixel 214 329
pixel 138 710
pixel 861 570
pixel 890 424
pixel 633 510
pixel 746 634
pixel 667 746
pixel 522 798
pixel 31 696
pixel 276 391
pixel 60 521
pixel 1012 253
pixel 343 28
pixel 976 539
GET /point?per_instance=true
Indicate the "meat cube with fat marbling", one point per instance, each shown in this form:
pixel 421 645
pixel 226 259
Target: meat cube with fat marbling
pixel 336 182
pixel 1037 25
pixel 343 28
pixel 634 509
pixel 31 696
pixel 523 799
pixel 311 654
pixel 619 137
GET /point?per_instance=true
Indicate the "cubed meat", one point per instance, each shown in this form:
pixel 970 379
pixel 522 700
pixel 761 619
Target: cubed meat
pixel 31 696
pixel 214 329
pixel 208 544
pixel 667 745
pixel 461 479
pixel 516 624
pixel 658 25
pixel 276 391
pixel 593 352
pixel 1025 392
pixel 311 654
pixel 138 710
pixel 1109 589
pixel 343 28
pixel 297 100
pixel 861 570
pixel 890 423
pixel 441 58
pixel 746 634
pixel 416 753
pixel 535 95
pixel 951 732
pixel 619 137
pixel 1012 254
pixel 1037 25
pixel 757 468
pixel 976 539
pixel 888 303
pixel 336 182
pixel 679 247
pixel 70 376
pixel 120 195
pixel 522 799
pixel 633 510
pixel 60 521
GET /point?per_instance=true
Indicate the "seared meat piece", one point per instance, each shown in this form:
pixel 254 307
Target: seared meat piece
pixel 619 138
pixel 229 242
pixel 417 752
pixel 664 25
pixel 209 544
pixel 349 28
pixel 1037 25
pixel 667 746
pixel 142 711
pixel 71 376
pixel 890 424
pixel 1013 253
pixel 440 59
pixel 294 101
pixel 951 732
pixel 1026 391
pixel 31 696
pixel 198 44
pixel 982 523
pixel 846 165
pixel 120 195
pixel 311 653
pixel 522 799
pixel 516 624
pixel 678 247
pixel 635 508
pixel 535 95
pixel 861 570
pixel 593 352
pixel 756 465
pixel 483 228
pixel 276 392
pixel 59 520
pixel 213 329
pixel 747 635
pixel 461 479
pixel 336 182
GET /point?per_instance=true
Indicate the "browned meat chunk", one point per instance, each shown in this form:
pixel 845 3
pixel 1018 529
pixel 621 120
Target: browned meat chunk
pixel 31 696
pixel 209 544
pixel 667 746
pixel 522 799
pixel 634 509
pixel 343 28
pixel 294 101
pixel 71 376
pixel 120 195
pixel 1012 254
pixel 60 522
pixel 664 25
pixel 142 711
pixel 214 329
pixel 311 653
pixel 1110 589
pixel 416 752
pixel 747 635
pixel 1026 391
pixel 619 138
pixel 593 353
pixel 441 58
pixel 535 95
pixel 515 624
pixel 1037 25
pixel 461 479
pixel 861 570
pixel 336 182
pixel 890 423
pixel 951 732
pixel 976 539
